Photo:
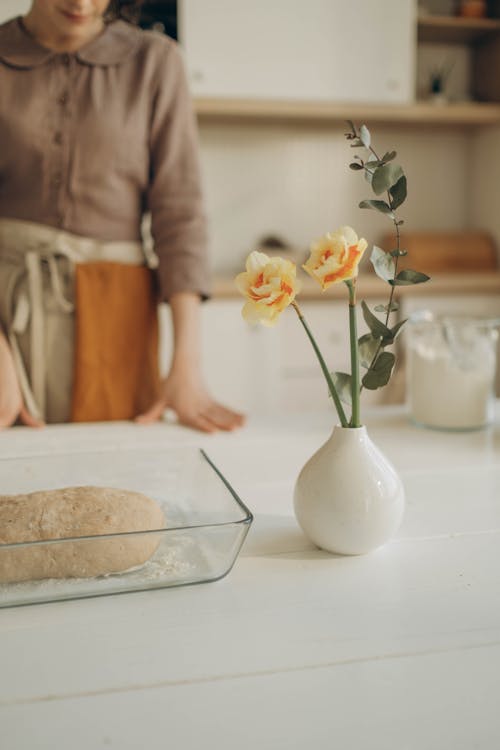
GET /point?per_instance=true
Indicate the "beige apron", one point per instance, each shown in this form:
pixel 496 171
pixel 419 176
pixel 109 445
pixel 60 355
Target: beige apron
pixel 37 312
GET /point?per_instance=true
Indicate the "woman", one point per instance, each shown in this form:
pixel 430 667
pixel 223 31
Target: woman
pixel 96 129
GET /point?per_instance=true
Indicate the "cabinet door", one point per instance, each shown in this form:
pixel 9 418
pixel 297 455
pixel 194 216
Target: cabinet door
pixel 239 360
pixel 320 49
pixel 273 370
pixel 301 383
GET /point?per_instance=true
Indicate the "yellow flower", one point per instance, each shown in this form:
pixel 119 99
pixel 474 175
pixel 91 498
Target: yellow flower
pixel 269 284
pixel 335 257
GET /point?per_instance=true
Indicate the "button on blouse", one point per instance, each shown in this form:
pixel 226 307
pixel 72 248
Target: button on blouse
pixel 92 140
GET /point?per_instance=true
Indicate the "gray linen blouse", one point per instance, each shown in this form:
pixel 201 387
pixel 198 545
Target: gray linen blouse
pixel 90 141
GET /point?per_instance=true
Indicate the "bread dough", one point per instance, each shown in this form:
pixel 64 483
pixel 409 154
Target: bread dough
pixel 76 512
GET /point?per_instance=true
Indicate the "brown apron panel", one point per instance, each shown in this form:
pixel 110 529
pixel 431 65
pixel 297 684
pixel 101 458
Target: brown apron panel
pixel 116 335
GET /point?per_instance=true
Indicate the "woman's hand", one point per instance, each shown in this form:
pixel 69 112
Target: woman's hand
pixel 186 395
pixel 183 390
pixel 11 400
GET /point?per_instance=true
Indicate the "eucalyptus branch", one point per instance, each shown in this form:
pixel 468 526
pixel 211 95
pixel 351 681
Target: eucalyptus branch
pixel 396 261
pixel 391 296
pixel 388 182
pixel 357 134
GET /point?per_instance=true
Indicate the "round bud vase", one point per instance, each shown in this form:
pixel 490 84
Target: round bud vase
pixel 348 497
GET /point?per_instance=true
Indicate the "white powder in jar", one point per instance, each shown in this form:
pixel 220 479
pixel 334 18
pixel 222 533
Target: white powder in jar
pixel 451 376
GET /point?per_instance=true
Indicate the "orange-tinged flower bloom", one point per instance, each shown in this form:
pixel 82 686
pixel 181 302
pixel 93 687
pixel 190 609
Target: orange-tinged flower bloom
pixel 335 257
pixel 269 284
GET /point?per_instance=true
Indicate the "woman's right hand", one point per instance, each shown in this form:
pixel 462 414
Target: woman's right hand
pixel 11 400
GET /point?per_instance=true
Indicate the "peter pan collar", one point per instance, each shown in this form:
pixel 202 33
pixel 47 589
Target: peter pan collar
pixel 113 46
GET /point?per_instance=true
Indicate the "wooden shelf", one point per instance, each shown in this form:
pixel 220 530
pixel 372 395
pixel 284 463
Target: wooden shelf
pixel 454 30
pixel 370 286
pixel 421 113
pixel 442 29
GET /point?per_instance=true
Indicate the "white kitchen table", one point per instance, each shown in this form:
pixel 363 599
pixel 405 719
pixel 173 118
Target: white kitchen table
pixel 295 648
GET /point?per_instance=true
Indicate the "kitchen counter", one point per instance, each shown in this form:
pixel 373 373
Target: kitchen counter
pixel 370 286
pixel 295 648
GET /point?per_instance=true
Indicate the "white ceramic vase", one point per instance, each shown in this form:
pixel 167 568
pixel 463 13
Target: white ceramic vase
pixel 348 497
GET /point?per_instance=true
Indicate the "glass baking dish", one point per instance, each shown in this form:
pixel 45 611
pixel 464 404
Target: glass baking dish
pixel 206 521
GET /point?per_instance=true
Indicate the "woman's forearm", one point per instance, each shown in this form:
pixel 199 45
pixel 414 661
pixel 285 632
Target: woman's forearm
pixel 186 328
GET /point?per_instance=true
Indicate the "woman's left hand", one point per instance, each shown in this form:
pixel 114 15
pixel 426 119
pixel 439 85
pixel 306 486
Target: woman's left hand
pixel 187 396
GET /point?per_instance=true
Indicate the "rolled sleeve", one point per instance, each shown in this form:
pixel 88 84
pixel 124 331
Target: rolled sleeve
pixel 175 198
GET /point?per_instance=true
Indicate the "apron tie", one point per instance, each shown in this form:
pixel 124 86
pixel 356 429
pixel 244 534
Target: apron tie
pixel 18 327
pixel 31 307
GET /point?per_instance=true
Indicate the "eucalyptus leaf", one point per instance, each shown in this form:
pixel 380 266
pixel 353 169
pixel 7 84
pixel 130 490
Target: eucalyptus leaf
pixel 368 347
pixel 342 383
pixel 398 253
pixel 356 166
pixel 398 192
pixel 385 177
pixel 407 277
pixel 370 167
pixel 389 156
pixel 379 375
pixel 365 136
pixel 373 164
pixel 378 329
pixel 381 206
pixel 385 308
pixel 389 339
pixel 397 328
pixel 383 263
pixel 356 143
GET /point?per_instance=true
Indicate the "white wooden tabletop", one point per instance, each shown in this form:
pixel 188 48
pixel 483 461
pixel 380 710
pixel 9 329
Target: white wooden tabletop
pixel 295 648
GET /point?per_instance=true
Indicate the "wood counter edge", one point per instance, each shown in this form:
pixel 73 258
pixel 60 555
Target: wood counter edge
pixel 484 282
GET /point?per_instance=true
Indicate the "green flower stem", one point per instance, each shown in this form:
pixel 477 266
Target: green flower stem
pixel 326 372
pixel 353 336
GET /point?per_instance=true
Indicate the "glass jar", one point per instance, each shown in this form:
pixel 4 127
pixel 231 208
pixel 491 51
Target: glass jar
pixel 451 371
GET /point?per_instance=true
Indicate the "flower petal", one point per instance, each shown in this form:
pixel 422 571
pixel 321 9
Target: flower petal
pixel 335 257
pixel 269 285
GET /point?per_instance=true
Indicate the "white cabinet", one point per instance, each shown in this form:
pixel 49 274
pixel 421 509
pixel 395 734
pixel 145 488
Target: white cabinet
pixel 239 361
pixel 272 370
pixel 358 51
pixel 302 384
